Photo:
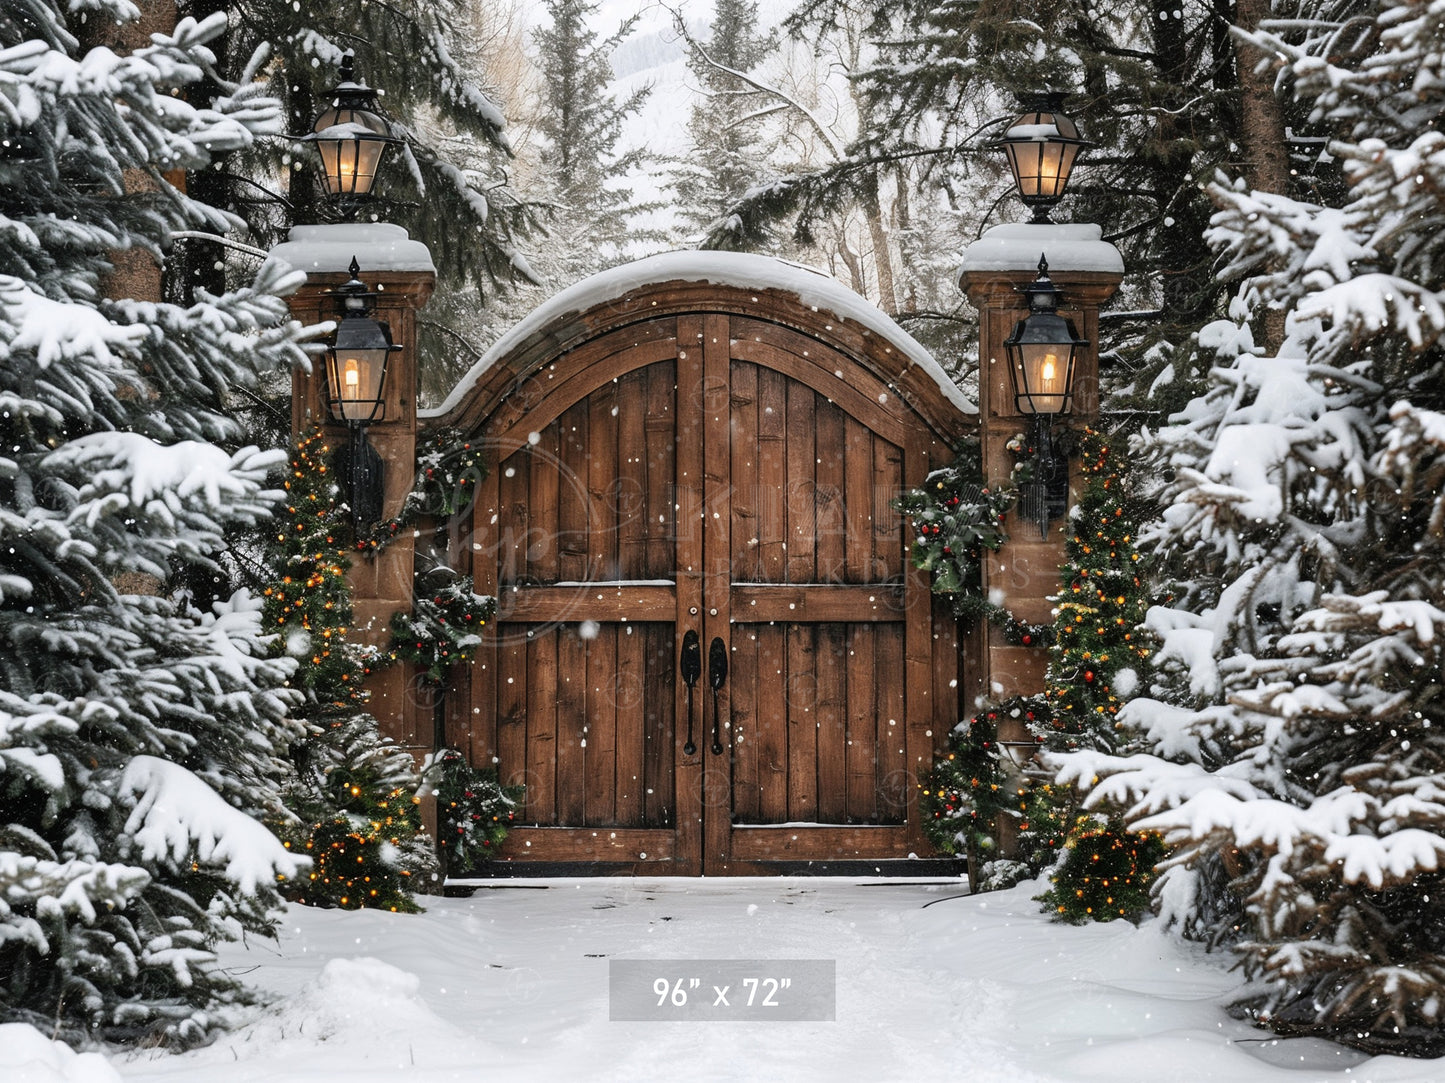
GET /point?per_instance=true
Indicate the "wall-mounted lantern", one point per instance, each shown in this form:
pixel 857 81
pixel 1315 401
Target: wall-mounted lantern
pixel 1042 351
pixel 1042 145
pixel 352 138
pixel 356 362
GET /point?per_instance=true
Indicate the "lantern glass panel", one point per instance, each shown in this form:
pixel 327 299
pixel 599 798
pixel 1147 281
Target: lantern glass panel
pixel 1045 371
pixel 356 381
pixel 351 155
pixel 1041 148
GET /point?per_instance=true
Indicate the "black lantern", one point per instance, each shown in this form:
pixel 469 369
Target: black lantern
pixel 1042 352
pixel 355 391
pixel 351 137
pixel 1042 144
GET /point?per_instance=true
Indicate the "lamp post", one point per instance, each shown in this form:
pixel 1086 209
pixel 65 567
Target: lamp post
pixel 1042 145
pixel 356 362
pixel 352 138
pixel 1042 351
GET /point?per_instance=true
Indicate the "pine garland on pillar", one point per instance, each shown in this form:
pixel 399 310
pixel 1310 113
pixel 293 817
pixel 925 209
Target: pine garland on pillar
pixel 353 791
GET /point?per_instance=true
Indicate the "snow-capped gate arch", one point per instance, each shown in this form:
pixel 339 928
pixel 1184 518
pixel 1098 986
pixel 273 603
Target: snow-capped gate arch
pixel 705 447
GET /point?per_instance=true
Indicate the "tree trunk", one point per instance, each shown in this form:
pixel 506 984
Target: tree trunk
pixel 1266 155
pixel 882 253
pixel 134 271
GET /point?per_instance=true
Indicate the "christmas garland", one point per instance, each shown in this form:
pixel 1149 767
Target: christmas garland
pixel 967 789
pixel 449 468
pixel 975 785
pixel 442 630
pixel 956 515
pixel 474 810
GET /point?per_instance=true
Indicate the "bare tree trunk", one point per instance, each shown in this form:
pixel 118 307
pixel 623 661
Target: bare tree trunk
pixel 882 250
pixel 1266 155
pixel 904 212
pixel 135 272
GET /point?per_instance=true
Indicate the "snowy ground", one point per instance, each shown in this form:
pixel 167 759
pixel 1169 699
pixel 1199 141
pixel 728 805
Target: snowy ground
pixel 513 985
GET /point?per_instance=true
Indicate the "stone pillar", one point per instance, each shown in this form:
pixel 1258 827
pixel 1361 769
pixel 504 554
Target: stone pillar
pixel 1025 572
pixel 401 272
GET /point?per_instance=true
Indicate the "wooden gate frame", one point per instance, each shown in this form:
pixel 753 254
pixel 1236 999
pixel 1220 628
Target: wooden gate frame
pixel 546 359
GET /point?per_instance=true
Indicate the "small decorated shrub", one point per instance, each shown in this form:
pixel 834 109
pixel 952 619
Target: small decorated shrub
pixel 1106 873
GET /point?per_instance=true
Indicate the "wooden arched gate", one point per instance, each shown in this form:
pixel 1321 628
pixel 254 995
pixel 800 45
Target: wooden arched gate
pixel 687 471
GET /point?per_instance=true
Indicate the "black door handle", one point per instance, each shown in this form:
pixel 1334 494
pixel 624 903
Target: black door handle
pixel 717 673
pixel 691 666
pixel 717 663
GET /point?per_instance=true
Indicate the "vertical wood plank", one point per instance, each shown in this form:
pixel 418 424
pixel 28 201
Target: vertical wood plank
pixel 772 476
pixel 543 489
pixel 512 680
pixel 893 779
pixel 862 724
pixel 572 723
pixel 746 691
pixel 512 522
pixel 772 725
pixel 717 579
pixel 631 493
pixel 831 527
pixel 857 500
pixel 802 699
pixel 745 472
pixel 801 473
pixel 686 771
pixel 603 470
pixel 476 733
pixel 600 751
pixel 830 662
pixel 888 549
pixel 662 800
pixel 573 503
pixel 541 796
pixel 661 441
pixel 631 732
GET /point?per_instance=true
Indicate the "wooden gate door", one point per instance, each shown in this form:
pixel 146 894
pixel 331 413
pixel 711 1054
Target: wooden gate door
pixel 730 478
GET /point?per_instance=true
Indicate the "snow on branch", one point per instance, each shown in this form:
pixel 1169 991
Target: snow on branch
pixel 129 464
pixel 177 818
pixel 55 330
pixel 1372 304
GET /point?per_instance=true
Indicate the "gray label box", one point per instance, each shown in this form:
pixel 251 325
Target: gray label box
pixel 722 990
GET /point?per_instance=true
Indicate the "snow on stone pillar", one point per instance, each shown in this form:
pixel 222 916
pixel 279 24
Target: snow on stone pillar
pixel 401 273
pixel 1025 572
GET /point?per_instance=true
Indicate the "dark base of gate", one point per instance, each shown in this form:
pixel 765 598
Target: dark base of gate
pixel 462 887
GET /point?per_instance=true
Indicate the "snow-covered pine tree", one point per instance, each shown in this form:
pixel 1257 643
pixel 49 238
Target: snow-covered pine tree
pixel 353 793
pixel 582 162
pixel 1298 759
pixel 140 740
pixel 725 135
